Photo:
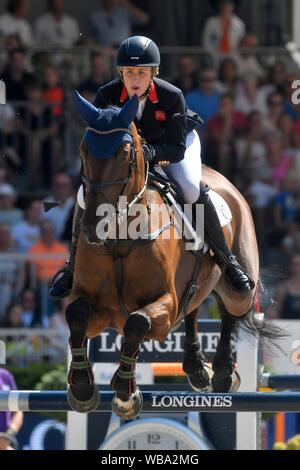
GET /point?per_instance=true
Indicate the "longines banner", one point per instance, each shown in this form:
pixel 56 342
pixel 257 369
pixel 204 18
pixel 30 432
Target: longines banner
pixel 106 347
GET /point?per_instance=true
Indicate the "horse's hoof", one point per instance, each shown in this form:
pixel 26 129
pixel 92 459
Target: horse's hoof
pixel 128 409
pixel 84 406
pixel 201 382
pixel 223 383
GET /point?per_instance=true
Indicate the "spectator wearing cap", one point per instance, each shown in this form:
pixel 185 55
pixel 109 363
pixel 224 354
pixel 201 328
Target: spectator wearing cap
pixel 14 21
pixel 9 214
pixel 223 32
pixel 56 28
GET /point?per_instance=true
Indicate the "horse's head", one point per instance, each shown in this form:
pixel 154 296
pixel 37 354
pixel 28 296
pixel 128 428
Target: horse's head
pixel 110 151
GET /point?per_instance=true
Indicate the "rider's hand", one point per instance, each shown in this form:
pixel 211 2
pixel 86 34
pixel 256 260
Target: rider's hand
pixel 149 152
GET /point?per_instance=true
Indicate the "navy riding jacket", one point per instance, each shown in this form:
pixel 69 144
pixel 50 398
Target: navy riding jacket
pixel 163 123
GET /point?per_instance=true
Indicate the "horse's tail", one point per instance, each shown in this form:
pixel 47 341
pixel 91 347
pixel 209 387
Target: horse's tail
pixel 255 323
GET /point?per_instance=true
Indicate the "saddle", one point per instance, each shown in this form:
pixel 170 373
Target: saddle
pixel 172 196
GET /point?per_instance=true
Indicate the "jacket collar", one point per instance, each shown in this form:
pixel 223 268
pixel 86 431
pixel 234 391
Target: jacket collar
pixel 152 95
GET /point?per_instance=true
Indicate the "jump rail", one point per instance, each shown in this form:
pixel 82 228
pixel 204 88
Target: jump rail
pixel 160 402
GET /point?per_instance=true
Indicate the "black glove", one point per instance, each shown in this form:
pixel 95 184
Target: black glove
pixel 149 153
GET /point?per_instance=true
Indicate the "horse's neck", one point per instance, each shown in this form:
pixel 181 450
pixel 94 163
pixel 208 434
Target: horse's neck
pixel 139 171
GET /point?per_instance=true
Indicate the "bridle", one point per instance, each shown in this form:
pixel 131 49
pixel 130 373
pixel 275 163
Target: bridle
pixel 97 186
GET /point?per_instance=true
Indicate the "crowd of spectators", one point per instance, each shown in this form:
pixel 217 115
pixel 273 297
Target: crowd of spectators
pixel 251 135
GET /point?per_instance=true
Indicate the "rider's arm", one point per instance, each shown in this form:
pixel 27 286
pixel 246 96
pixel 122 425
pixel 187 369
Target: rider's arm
pixel 172 151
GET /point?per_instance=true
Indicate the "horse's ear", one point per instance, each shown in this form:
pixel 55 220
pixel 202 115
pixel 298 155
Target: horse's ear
pixel 87 110
pixel 129 110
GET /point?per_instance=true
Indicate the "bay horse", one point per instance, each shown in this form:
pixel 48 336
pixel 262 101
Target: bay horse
pixel 137 286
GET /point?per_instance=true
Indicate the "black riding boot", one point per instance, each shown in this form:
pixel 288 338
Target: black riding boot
pixel 235 275
pixel 62 282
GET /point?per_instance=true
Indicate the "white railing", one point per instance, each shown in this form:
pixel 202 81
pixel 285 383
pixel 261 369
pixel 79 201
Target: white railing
pixel 30 345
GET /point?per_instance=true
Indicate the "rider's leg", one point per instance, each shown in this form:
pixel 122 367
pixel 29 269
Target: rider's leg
pixel 187 175
pixel 61 284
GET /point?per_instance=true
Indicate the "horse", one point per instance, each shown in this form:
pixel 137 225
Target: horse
pixel 144 287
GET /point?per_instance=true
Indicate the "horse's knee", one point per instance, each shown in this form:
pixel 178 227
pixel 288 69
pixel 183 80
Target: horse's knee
pixel 136 326
pixel 77 315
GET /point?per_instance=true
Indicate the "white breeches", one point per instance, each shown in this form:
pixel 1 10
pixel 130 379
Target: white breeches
pixel 186 173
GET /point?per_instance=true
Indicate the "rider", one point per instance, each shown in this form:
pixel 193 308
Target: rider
pixel 162 122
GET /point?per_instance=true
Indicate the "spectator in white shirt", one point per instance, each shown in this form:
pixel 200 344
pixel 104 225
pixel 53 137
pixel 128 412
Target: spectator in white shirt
pixel 14 21
pixel 223 32
pixel 55 28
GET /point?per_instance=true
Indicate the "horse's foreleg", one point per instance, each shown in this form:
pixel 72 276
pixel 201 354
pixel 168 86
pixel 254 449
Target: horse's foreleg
pixel 198 373
pixel 83 394
pixel 225 378
pixel 127 402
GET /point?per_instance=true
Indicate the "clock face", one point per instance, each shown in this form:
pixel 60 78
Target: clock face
pixel 154 434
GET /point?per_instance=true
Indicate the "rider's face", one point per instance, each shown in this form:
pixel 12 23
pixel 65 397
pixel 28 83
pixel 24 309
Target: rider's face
pixel 136 79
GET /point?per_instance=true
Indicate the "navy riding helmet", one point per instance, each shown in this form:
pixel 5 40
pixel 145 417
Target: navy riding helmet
pixel 138 51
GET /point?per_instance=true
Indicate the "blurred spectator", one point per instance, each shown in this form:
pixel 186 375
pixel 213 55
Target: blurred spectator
pixel 260 195
pixel 251 152
pixel 248 96
pixel 287 203
pixel 14 21
pixel 112 22
pixel 291 241
pixel 287 129
pixel 10 422
pixel 7 134
pixel 54 251
pixel 30 309
pixel 61 192
pixel 38 137
pixel 99 75
pixel 52 256
pixel 287 295
pixel 11 274
pixel 53 90
pixel 222 33
pixel 16 76
pixel 275 80
pixel 54 95
pixel 205 99
pixel 13 317
pixel 187 73
pixel 279 160
pixel 9 214
pixel 228 76
pixel 26 233
pixel 223 129
pixel 56 28
pixel 246 60
pixel 275 111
